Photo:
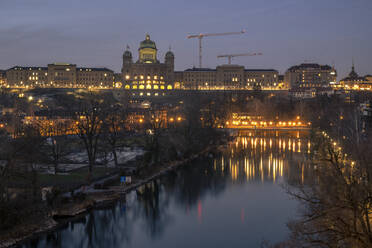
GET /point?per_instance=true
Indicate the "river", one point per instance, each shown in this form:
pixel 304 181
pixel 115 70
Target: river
pixel 236 199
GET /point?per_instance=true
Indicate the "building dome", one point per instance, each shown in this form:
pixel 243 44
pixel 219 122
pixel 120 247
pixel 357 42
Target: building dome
pixel 169 54
pixel 147 43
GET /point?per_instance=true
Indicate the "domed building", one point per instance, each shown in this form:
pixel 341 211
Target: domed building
pixel 147 76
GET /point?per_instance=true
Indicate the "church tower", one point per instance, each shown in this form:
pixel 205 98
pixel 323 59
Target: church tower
pixel 169 60
pixel 127 64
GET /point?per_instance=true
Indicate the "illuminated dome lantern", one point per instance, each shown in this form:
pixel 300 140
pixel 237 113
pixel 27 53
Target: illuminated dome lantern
pixel 147 51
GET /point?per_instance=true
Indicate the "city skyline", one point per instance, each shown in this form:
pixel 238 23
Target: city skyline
pixel 96 33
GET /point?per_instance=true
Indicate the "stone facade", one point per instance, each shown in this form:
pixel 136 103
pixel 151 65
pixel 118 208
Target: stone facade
pixel 147 76
pixel 227 77
pixel 355 82
pixel 2 78
pixel 310 76
pixel 60 76
pixel 94 77
pixel 20 76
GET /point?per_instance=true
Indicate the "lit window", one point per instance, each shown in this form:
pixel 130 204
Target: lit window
pixel 127 86
pixel 128 77
pixel 162 87
pixel 156 87
pixel 134 86
pixel 169 87
pixel 148 86
pixel 141 86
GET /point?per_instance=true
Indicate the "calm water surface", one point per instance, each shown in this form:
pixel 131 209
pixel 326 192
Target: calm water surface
pixel 235 199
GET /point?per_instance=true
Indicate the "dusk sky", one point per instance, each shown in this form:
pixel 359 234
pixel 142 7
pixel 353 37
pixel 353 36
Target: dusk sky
pixel 96 32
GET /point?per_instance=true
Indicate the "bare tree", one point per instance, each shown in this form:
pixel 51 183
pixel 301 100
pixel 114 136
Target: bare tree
pixel 114 127
pixel 89 129
pixel 337 207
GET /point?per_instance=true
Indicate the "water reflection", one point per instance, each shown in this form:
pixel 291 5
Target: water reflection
pixel 226 201
pixel 266 156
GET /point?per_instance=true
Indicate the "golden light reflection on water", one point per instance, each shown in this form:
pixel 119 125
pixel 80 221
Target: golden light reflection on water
pixel 265 157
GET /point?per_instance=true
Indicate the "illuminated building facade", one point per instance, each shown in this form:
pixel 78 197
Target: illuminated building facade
pixel 19 76
pixel 147 76
pixel 60 76
pixel 227 77
pixel 310 76
pixel 355 82
pixel 94 77
pixel 2 78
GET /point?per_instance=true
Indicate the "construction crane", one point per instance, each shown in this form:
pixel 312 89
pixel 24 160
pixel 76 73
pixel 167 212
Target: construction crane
pixel 201 36
pixel 230 56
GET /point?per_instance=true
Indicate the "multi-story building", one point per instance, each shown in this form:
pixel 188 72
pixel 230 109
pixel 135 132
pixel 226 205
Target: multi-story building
pixel 94 77
pixel 21 76
pixel 62 75
pixel 226 77
pixel 2 78
pixel 147 76
pixel 310 76
pixel 355 82
pixel 59 75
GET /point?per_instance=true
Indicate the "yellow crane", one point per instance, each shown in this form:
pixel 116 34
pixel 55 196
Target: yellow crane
pixel 230 56
pixel 201 36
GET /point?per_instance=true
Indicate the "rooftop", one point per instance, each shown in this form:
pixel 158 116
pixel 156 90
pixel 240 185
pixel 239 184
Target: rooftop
pixel 31 68
pixel 93 69
pixel 310 66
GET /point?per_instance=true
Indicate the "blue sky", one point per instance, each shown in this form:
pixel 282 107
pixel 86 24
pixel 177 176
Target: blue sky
pixel 96 32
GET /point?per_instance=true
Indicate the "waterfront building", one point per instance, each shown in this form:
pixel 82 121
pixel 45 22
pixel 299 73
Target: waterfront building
pixel 306 92
pixel 356 82
pixel 310 76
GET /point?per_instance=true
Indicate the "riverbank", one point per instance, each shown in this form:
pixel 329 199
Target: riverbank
pixel 94 199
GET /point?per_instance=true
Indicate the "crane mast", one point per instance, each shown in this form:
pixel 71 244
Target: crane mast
pixel 201 36
pixel 230 56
